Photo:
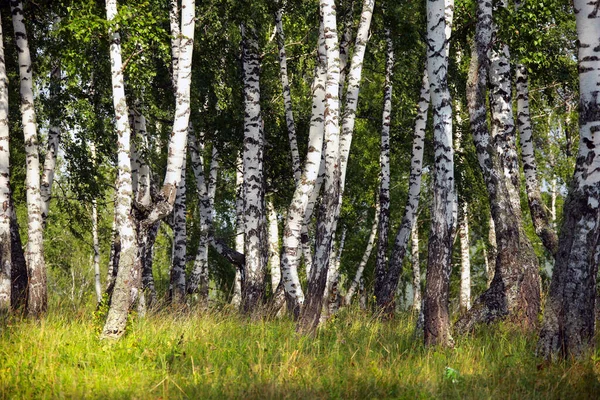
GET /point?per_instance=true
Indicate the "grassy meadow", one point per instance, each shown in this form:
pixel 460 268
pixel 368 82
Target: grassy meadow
pixel 171 355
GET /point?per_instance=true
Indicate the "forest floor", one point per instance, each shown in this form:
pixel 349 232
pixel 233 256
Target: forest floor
pixel 220 355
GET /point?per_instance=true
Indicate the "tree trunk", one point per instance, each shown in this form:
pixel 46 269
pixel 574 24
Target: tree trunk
pixel 95 239
pixel 443 210
pixel 236 299
pixel 18 265
pixel 5 209
pixel 178 139
pixel 416 269
pixel 363 262
pixel 177 277
pixel 569 319
pixel 311 312
pixel 384 162
pixel 37 299
pixel 125 287
pixel 514 291
pixel 465 261
pixel 331 294
pixel 254 194
pixel 298 210
pixel 386 282
pixel 274 257
pixel 542 225
pixel 52 148
pixel 287 97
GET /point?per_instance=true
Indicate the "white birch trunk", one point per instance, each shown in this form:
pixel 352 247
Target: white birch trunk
pixel 178 139
pixel 274 258
pixel 287 97
pixel 95 239
pixel 236 299
pixel 384 160
pixel 5 239
pixel 199 277
pixel 125 287
pixel 254 196
pixel 416 269
pixel 539 216
pixel 465 261
pixel 51 150
pixel 365 258
pixel 297 220
pixel 330 294
pixel 443 210
pixel 177 286
pixel 37 289
pixel 569 320
pixel 310 315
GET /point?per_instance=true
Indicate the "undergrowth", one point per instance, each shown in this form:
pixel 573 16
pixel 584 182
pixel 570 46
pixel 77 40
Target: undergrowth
pixel 219 355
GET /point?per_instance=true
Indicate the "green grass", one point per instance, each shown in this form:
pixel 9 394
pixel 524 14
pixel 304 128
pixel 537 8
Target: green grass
pixel 172 355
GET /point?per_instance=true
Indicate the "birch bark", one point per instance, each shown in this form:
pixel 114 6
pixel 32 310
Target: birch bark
pixel 95 239
pixel 384 162
pixel 125 288
pixel 416 268
pixel 52 148
pixel 236 299
pixel 569 320
pixel 254 195
pixel 541 222
pixel 311 312
pixel 298 214
pixel 465 261
pixel 206 186
pixel 514 290
pixel 177 287
pixel 443 210
pixel 37 297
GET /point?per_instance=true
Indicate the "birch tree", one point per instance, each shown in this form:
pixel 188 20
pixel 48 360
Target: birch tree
pixel 416 268
pixel 384 162
pixel 569 317
pixel 514 290
pixel 128 280
pixel 177 287
pixel 541 222
pixel 254 195
pixel 5 209
pixel 298 214
pixel 123 292
pixel 443 210
pixel 311 312
pixel 37 288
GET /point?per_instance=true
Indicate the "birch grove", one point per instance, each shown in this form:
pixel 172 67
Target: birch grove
pixel 200 157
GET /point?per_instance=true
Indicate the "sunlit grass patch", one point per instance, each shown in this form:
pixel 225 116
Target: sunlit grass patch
pixel 218 355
